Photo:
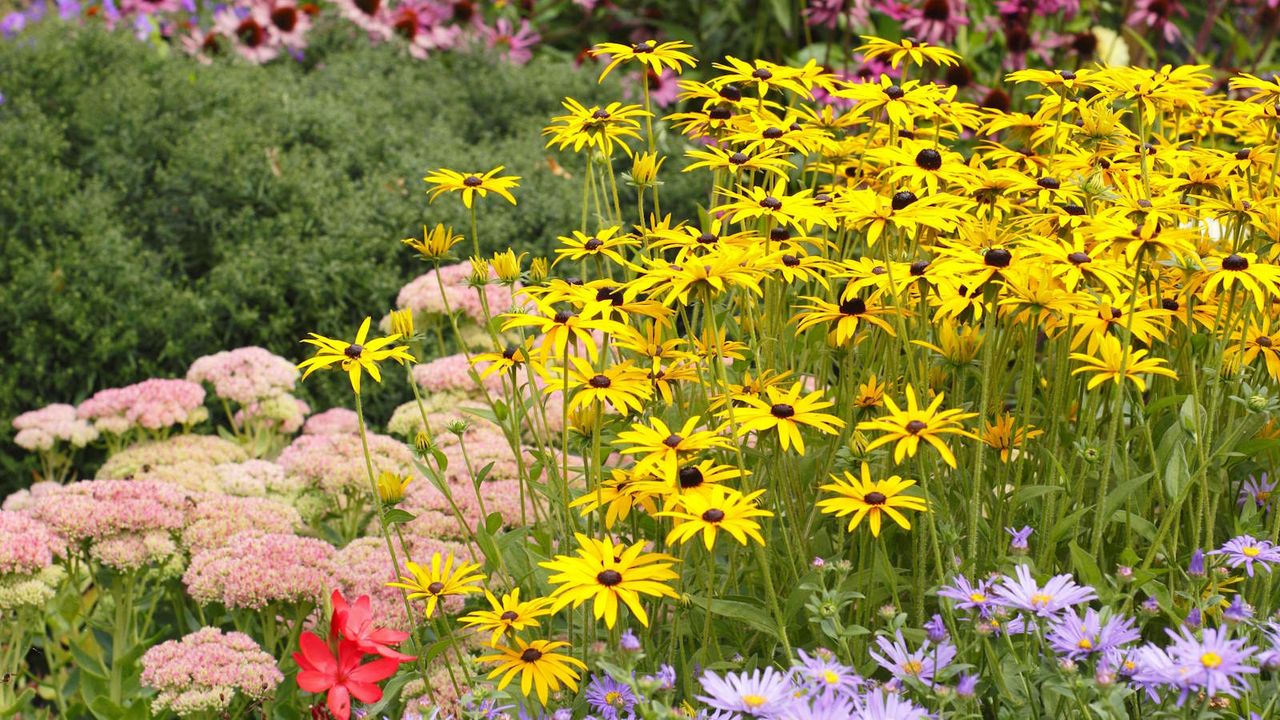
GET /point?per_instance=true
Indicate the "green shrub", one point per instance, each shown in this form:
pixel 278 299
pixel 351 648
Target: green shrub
pixel 153 210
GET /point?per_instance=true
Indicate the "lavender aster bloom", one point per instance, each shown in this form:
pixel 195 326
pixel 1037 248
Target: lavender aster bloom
pixel 1246 550
pixel 629 642
pixel 824 708
pixel 1213 664
pixel 1194 619
pixel 1195 568
pixel 1259 490
pixel 12 24
pixel 763 693
pixel 1270 657
pixel 1058 594
pixel 824 676
pixel 922 664
pixel 1080 636
pixel 969 596
pixel 1019 538
pixel 665 677
pixel 879 705
pixel 1238 611
pixel 609 697
pixel 967 685
pixel 936 629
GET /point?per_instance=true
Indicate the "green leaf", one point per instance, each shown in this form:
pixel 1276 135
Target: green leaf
pixel 782 12
pixel 88 663
pixel 484 473
pixel 1085 565
pixel 753 615
pixel 396 516
pixel 1176 473
pixel 18 704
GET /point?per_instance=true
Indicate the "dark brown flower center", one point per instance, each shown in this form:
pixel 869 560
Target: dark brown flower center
pixel 929 159
pixel 771 203
pixel 563 317
pixel 531 655
pixel 369 7
pixel 714 515
pixel 853 306
pixel 1235 263
pixel 643 47
pixel 609 578
pixel 1263 341
pixel 472 181
pixel 1067 75
pixel 673 441
pixel 916 426
pixel 1242 154
pixel 285 18
pixel 510 352
pixel 918 267
pixel 720 113
pixel 738 158
pixel 435 587
pixel 772 133
pixel 1049 183
pixel 874 498
pixel 762 74
pixel 997 258
pixel 902 199
pixel 1074 210
pixel 1078 258
pixel 600 382
pixel 509 615
pixel 353 351
pixel 1169 304
pixel 893 92
pixel 593 244
pixel 690 477
pixel 782 411
pixel 708 238
pixel 790 260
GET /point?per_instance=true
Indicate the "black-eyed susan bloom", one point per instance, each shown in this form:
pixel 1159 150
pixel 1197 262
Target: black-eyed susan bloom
pixel 595 128
pixel 355 358
pixel 541 668
pixel 619 494
pixel 652 54
pixel 863 498
pixel 622 385
pixel 786 412
pixel 562 329
pixel 435 243
pixel 439 579
pixel 473 184
pixel 721 509
pixel 661 449
pixel 1260 280
pixel 609 574
pixel 910 425
pixel 917 53
pixel 607 243
pixel 507 615
pixel 840 319
pixel 1117 363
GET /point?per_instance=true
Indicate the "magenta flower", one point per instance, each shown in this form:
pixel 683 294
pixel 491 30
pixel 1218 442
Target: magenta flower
pixel 512 45
pixel 936 21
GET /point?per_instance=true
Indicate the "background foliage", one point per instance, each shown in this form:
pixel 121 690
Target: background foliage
pixel 153 210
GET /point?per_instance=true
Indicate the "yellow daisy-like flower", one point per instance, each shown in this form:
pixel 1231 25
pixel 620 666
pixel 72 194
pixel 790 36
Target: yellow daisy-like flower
pixel 709 513
pixel 439 580
pixel 650 53
pixel 863 498
pixel 618 495
pixel 624 386
pixel 500 363
pixel 661 449
pixel 355 358
pixel 539 666
pixel 1001 436
pixel 391 487
pixel 605 243
pixel 508 615
pixel 840 319
pixel 595 127
pixel 609 573
pixel 1261 280
pixel 1111 364
pixel 907 427
pixel 916 53
pixel 563 329
pixel 786 411
pixel 472 184
pixel 435 243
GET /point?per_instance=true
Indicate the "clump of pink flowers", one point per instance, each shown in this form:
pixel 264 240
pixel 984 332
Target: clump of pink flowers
pixel 154 405
pixel 181 450
pixel 218 518
pixel 422 294
pixel 245 375
pixel 42 429
pixel 336 421
pixel 27 545
pixel 94 510
pixel 250 571
pixel 335 464
pixel 206 671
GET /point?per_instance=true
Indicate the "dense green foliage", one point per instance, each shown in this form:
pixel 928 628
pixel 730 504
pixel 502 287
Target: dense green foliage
pixel 153 210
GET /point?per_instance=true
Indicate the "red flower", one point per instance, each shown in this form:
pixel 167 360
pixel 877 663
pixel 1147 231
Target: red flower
pixel 355 623
pixel 343 677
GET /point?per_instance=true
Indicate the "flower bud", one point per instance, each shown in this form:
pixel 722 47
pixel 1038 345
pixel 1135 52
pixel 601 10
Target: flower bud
pixel 402 322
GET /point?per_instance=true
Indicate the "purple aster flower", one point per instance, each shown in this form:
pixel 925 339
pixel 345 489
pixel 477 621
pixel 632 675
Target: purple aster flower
pixel 1194 619
pixel 12 24
pixel 967 685
pixel 562 714
pixel 1018 538
pixel 880 705
pixel 68 9
pixel 1238 611
pixel 969 596
pixel 826 708
pixel 665 677
pixel 1195 568
pixel 629 642
pixel 764 693
pixel 936 629
pixel 1150 606
pixel 1213 664
pixel 1270 657
pixel 1058 594
pixel 822 675
pixel 1258 489
pixel 922 664
pixel 609 697
pixel 1080 636
pixel 1246 550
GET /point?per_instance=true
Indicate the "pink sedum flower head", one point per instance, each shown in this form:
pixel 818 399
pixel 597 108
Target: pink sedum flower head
pixel 335 464
pixel 151 405
pixel 245 375
pixel 250 571
pixel 142 459
pixel 26 545
pixel 203 672
pixel 94 510
pixel 44 428
pixel 337 421
pixel 217 519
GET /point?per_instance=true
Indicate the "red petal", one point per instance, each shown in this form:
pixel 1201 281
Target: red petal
pixel 340 703
pixel 376 671
pixel 315 682
pixel 365 692
pixel 316 651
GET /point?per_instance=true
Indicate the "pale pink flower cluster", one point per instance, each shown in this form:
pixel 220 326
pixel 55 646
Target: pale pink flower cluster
pixel 256 478
pixel 129 551
pixel 26 545
pixel 250 571
pixel 197 476
pixel 151 404
pixel 336 421
pixel 25 499
pixel 283 413
pixel 453 372
pixel 203 671
pixel 245 375
pixel 42 429
pixel 422 294
pixel 144 457
pixel 218 518
pixel 435 517
pixel 483 447
pixel 98 509
pixel 335 465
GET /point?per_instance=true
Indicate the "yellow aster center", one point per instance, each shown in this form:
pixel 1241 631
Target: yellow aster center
pixel 1250 551
pixel 830 677
pixel 1085 644
pixel 1262 496
pixel 912 667
pixel 977 597
pixel 613 698
pixel 1041 600
pixel 1211 659
pixel 753 701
